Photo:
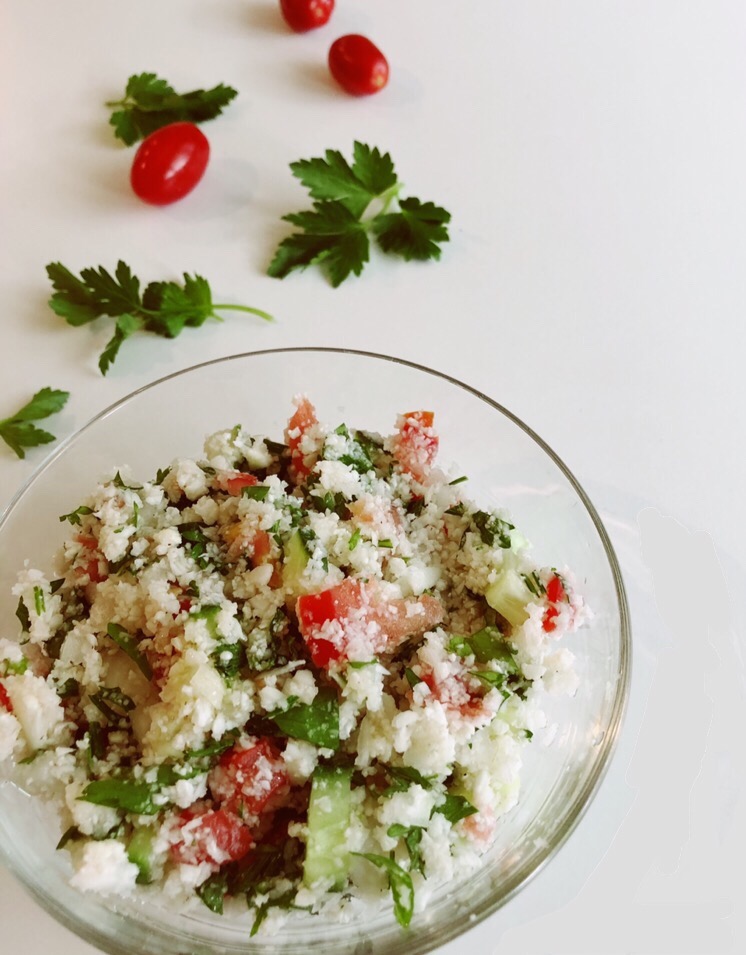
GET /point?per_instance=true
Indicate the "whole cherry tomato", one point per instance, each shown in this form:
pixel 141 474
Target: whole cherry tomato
pixel 304 15
pixel 169 163
pixel 358 65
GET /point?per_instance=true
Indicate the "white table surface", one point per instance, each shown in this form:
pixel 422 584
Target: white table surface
pixel 593 155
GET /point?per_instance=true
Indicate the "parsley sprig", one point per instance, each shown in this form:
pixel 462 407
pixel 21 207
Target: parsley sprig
pixel 163 308
pixel 351 203
pixel 150 102
pixel 18 432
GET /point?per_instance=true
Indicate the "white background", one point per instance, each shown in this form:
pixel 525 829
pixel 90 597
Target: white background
pixel 593 156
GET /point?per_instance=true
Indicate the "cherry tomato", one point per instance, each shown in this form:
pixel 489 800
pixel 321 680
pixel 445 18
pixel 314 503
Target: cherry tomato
pixel 358 65
pixel 169 163
pixel 215 837
pixel 304 15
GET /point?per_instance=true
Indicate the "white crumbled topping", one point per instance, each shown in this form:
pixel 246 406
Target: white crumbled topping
pixel 10 730
pixel 38 709
pixel 103 867
pixel 423 734
pixel 300 760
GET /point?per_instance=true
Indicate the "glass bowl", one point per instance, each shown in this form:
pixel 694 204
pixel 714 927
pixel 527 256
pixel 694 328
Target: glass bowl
pixel 507 465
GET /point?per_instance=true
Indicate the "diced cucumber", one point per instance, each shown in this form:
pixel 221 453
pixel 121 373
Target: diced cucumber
pixel 140 852
pixel 296 558
pixel 327 855
pixel 508 595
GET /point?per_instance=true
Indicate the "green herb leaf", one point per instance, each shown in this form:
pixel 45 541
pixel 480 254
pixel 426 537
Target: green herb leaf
pixel 412 836
pixel 23 615
pixel 401 885
pixel 354 539
pixel 415 231
pixel 412 678
pixel 402 777
pixel 129 644
pixel 213 891
pixel 125 794
pixel 455 808
pixel 492 529
pixel 316 722
pixel 18 432
pixel 163 308
pixel 335 233
pixel 257 492
pixel 74 517
pixel 150 103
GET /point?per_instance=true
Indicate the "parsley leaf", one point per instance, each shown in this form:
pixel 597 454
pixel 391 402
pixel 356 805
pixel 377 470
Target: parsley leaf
pixel 415 231
pixel 129 644
pixel 163 308
pixel 316 722
pixel 400 882
pixel 150 102
pixel 18 432
pixel 335 233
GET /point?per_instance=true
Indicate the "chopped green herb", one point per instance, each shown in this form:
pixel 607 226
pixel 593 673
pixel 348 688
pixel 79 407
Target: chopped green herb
pixel 74 516
pixel 69 835
pixel 412 678
pixel 23 615
pixel 18 432
pixel 316 722
pixel 130 646
pixel 67 689
pixel 213 891
pixel 534 584
pixel 96 742
pixel 354 538
pixel 359 664
pixel 55 585
pixel 402 777
pixel 162 474
pixel 125 794
pixel 109 697
pixel 228 658
pixel 400 883
pixel 412 836
pixel 458 480
pixel 14 667
pixel 455 808
pixel 39 605
pixel 385 542
pixel 458 510
pixel 492 529
pixel 257 492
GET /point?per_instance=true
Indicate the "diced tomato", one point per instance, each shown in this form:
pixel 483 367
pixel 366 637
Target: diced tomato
pixel 250 781
pixel 416 444
pixel 359 616
pixel 302 420
pixel 5 702
pixel 233 482
pixel 218 836
pixel 91 568
pixel 555 594
pixel 261 546
pixel 555 590
pixel 548 621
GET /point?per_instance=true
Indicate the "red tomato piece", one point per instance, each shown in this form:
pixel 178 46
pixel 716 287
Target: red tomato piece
pixel 352 617
pixel 358 65
pixel 416 444
pixel 548 622
pixel 216 837
pixel 304 15
pixel 302 420
pixel 250 781
pixel 555 590
pixel 169 163
pixel 5 702
pixel 233 482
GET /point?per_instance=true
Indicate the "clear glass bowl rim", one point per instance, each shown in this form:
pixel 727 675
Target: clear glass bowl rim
pixel 584 797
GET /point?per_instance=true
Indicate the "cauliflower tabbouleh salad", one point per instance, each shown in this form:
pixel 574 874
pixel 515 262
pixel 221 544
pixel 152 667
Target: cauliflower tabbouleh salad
pixel 298 676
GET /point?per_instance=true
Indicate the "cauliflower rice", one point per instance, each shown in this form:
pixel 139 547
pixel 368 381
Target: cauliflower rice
pixel 297 676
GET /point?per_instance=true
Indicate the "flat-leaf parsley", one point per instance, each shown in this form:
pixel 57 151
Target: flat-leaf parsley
pixel 18 432
pixel 164 308
pixel 351 202
pixel 150 103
